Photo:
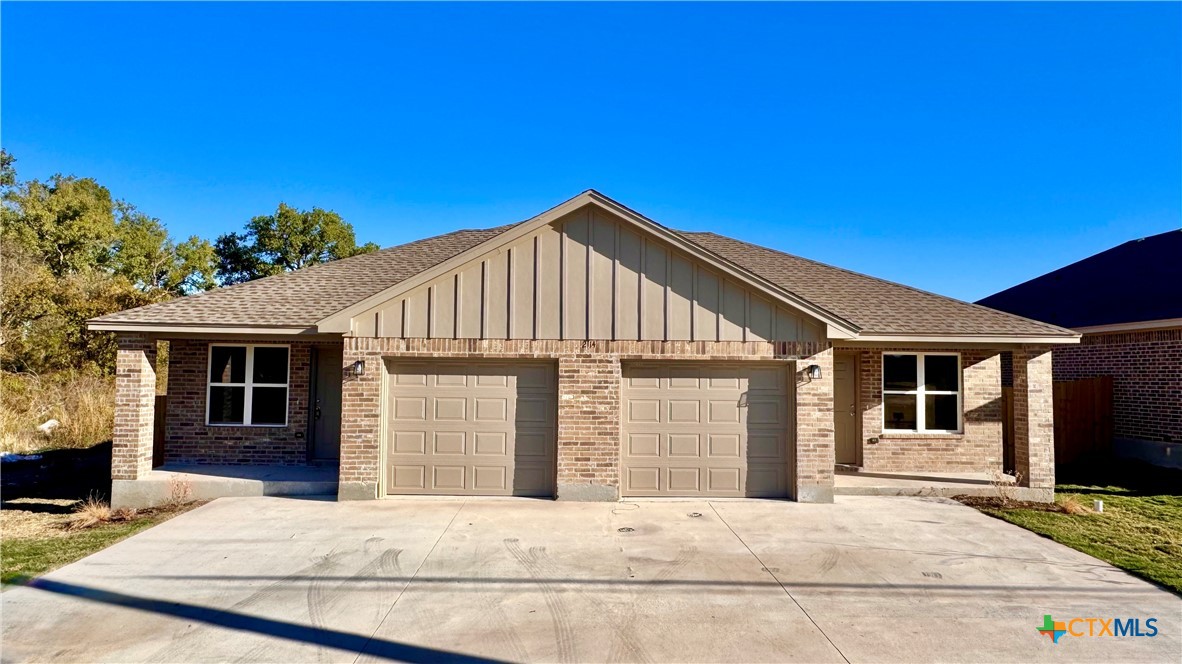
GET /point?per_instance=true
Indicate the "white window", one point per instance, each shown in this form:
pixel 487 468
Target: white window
pixel 921 392
pixel 247 385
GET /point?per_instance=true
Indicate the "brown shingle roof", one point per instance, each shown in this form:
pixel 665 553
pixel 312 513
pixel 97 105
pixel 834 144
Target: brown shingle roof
pixel 874 305
pixel 303 297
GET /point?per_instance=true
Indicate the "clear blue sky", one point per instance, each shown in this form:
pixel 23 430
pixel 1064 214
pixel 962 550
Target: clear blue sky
pixel 960 148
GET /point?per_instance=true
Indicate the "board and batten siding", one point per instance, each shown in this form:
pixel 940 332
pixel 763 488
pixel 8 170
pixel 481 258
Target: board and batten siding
pixel 588 275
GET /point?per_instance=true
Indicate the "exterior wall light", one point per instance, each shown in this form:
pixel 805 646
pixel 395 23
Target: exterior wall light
pixel 358 368
pixel 813 372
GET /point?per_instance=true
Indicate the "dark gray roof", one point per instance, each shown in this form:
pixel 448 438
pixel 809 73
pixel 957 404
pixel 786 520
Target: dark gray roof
pixel 1140 280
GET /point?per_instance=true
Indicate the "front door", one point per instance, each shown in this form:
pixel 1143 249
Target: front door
pixel 845 407
pixel 326 405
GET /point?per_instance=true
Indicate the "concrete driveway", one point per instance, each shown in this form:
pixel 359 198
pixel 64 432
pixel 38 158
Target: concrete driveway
pixel 865 579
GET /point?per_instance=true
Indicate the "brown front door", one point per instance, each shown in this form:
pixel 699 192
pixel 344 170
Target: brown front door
pixel 845 407
pixel 326 405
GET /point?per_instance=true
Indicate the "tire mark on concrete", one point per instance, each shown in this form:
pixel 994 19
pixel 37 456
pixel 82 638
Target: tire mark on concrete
pixel 495 614
pixel 181 648
pixel 625 649
pixel 621 629
pixel 563 634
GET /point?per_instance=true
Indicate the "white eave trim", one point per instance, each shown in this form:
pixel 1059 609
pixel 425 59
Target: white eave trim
pixel 197 329
pixel 1131 327
pixel 340 322
pixel 965 339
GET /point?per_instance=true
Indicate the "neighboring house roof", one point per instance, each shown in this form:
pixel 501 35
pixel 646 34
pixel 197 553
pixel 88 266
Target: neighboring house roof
pixel 321 295
pixel 1135 282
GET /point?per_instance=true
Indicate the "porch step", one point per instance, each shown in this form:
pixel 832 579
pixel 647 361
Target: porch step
pixel 199 482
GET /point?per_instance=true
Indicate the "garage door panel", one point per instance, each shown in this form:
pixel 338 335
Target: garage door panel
pixel 644 410
pixel 410 408
pixel 683 411
pixel 408 477
pixel 533 410
pixel 723 480
pixel 468 428
pixel 489 478
pixel 409 442
pixel 644 444
pixel 642 481
pixel 493 409
pixel 724 411
pixel 684 480
pixel 705 429
pixel 725 445
pixel 765 446
pixel 449 442
pixel 766 480
pixel 765 411
pixel 490 443
pixel 685 445
pixel 447 477
pixel 451 409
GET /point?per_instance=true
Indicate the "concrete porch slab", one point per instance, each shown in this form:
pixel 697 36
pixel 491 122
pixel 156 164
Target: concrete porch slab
pixel 206 482
pixel 874 483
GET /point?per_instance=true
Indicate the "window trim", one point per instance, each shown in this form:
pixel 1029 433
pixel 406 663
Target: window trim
pixel 920 393
pixel 248 386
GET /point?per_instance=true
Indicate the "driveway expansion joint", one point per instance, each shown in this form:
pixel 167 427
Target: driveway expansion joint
pixel 765 568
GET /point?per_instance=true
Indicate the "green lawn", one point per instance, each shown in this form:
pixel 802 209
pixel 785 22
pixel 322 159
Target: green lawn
pixel 31 556
pixel 1140 529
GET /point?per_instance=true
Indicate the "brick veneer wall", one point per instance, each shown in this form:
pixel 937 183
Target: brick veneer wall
pixel 188 439
pixel 1034 422
pixel 1146 370
pixel 588 404
pixel 135 405
pixel 815 452
pixel 977 449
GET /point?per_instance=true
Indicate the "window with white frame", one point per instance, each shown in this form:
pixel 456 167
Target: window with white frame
pixel 921 392
pixel 247 385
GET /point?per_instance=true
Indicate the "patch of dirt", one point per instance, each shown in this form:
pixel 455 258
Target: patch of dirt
pixel 993 502
pixel 36 517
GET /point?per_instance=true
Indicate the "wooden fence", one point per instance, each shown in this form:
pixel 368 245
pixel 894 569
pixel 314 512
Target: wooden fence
pixel 1083 420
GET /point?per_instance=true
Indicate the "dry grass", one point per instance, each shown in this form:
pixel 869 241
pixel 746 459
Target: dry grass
pixel 1073 505
pixel 84 404
pixel 94 512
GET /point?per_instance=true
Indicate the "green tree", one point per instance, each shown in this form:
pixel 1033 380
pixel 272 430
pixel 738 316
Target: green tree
pixel 288 240
pixel 147 256
pixel 69 222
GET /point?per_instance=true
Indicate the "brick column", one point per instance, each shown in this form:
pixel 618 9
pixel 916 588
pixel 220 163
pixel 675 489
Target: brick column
pixel 361 421
pixel 135 407
pixel 1034 423
pixel 589 427
pixel 814 460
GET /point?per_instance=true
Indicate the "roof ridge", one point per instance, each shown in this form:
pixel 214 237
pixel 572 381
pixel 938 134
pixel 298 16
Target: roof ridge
pixel 913 289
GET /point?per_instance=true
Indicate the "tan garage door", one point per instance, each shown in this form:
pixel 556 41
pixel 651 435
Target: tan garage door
pixel 704 429
pixel 464 428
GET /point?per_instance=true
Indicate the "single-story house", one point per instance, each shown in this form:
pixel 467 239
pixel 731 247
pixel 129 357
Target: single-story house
pixel 588 353
pixel 1126 303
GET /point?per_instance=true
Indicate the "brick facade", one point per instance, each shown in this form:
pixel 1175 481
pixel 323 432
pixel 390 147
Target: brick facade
pixel 978 448
pixel 1146 370
pixel 1034 422
pixel 814 430
pixel 188 439
pixel 588 403
pixel 135 405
